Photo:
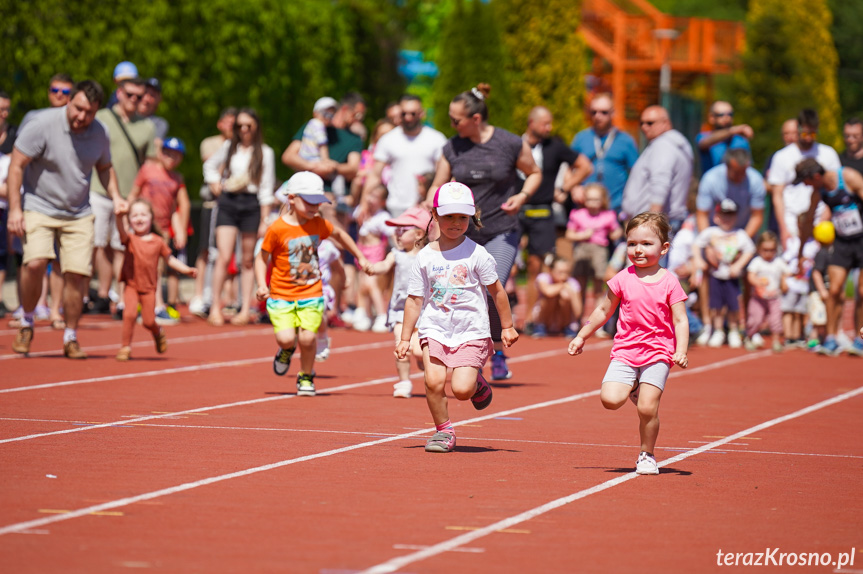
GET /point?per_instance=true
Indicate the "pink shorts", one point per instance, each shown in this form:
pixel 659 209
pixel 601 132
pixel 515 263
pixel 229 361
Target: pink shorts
pixel 374 253
pixel 469 354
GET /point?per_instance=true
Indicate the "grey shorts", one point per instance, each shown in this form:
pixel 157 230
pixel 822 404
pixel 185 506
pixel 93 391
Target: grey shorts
pixel 653 374
pixel 105 224
pixel 794 302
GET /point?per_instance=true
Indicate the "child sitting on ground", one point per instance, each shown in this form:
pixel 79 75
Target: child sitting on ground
pixel 559 305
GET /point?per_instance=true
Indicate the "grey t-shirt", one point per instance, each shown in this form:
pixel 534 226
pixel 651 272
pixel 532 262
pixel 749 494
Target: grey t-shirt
pixel 57 180
pixel 489 170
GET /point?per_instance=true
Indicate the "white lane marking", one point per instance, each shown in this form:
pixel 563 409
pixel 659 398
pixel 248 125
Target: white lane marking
pixel 188 369
pixel 449 545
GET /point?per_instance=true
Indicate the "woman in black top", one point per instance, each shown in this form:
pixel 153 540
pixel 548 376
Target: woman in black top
pixel 486 159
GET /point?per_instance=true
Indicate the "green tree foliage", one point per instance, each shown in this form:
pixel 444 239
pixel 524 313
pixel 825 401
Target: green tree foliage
pixel 275 56
pixel 848 36
pixel 547 60
pixel 471 52
pixel 789 63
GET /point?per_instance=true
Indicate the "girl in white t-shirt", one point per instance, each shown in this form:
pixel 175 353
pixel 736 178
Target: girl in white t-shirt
pixel 373 240
pixel 412 228
pixel 446 285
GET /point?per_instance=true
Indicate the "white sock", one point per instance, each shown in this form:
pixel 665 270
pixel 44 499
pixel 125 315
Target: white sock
pixel 27 320
pixel 69 335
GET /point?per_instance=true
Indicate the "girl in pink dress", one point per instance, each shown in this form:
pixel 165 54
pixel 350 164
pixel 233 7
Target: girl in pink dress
pixel 652 331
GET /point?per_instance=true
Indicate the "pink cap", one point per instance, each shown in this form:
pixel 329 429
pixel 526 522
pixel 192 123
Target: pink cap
pixel 454 197
pixel 413 217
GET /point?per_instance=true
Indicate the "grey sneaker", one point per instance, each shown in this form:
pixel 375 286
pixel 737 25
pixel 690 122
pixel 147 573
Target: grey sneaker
pixel 282 361
pixel 441 442
pixel 305 385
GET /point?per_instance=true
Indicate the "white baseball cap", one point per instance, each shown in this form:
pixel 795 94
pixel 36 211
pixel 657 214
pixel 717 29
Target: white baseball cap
pixel 308 186
pixel 325 103
pixel 454 197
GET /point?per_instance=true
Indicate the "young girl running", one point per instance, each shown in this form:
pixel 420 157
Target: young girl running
pixel 446 285
pixel 411 228
pixel 652 332
pixel 144 247
pixel 295 296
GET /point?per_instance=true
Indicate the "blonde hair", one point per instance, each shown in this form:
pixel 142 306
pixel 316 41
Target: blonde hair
pixel 601 188
pixel 657 222
pixel 153 227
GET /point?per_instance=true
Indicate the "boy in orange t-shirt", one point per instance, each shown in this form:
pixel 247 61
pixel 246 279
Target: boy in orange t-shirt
pixel 295 297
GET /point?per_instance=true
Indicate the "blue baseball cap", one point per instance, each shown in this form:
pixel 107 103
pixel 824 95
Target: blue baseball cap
pixel 125 71
pixel 175 144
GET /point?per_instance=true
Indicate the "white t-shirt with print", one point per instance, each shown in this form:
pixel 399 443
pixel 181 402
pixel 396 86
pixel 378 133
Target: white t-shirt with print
pixel 451 283
pixel 768 276
pixel 728 245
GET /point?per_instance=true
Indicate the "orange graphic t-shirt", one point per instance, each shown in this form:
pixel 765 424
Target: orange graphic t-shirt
pixel 294 250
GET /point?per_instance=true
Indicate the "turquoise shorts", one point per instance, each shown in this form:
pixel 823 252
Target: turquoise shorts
pixel 307 314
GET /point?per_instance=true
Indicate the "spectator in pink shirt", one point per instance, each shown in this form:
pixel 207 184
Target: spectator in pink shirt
pixel 592 228
pixel 652 332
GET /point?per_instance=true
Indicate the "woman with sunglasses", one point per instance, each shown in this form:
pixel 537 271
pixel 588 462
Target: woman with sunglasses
pixel 486 159
pixel 241 176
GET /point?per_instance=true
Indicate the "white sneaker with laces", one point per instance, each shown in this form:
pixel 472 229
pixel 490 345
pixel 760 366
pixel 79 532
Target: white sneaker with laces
pixel 402 389
pixel 646 464
pixel 757 340
pixel 703 337
pixel 380 325
pixel 734 339
pixel 716 339
pixel 361 321
pixel 322 351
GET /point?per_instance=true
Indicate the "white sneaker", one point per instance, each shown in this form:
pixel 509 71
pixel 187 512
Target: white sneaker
pixel 646 464
pixel 735 341
pixel 703 337
pixel 322 352
pixel 716 339
pixel 361 321
pixel 402 389
pixel 380 324
pixel 197 307
pixel 347 315
pixel 757 340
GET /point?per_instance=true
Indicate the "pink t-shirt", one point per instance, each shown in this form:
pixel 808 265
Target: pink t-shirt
pixel 645 330
pixel 602 224
pixel 160 187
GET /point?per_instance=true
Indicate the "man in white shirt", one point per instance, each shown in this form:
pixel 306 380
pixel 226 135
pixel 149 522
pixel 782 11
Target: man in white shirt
pixel 790 200
pixel 411 149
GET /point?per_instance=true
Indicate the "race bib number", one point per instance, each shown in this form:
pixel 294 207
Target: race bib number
pixel 848 222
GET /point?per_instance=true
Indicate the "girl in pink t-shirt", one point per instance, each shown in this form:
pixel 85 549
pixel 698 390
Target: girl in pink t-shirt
pixel 652 332
pixel 592 228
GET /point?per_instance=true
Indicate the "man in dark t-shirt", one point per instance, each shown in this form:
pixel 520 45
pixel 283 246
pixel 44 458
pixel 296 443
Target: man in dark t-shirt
pixel 537 217
pixel 852 133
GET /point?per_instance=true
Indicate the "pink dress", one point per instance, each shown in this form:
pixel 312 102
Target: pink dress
pixel 603 223
pixel 645 329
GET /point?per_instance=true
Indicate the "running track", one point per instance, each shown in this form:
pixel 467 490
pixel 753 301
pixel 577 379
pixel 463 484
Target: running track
pixel 202 460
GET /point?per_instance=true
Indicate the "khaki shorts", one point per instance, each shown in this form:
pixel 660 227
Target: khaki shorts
pixel 105 224
pixel 590 260
pixel 75 237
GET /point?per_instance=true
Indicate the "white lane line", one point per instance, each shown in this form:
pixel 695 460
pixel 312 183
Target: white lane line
pixel 174 341
pixel 37 523
pixel 453 543
pixel 188 486
pixel 188 369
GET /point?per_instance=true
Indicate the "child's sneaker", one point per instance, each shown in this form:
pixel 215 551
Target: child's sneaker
pixel 734 339
pixel 758 340
pixel 856 348
pixel 441 442
pixel 322 351
pixel 571 331
pixel 829 347
pixel 305 385
pixel 646 464
pixel 539 331
pixel 161 341
pixel 380 325
pixel 361 321
pixel 483 395
pixel 198 308
pixel 403 389
pixel 704 337
pixel 777 347
pixel 167 316
pixel 282 361
pixel 716 339
pixel 499 371
pixel 633 394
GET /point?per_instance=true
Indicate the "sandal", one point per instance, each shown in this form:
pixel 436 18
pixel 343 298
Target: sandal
pixel 161 341
pixel 58 324
pixel 441 442
pixel 124 353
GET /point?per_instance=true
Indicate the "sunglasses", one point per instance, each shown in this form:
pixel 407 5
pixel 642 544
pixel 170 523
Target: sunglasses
pixel 133 97
pixel 600 112
pixel 724 115
pixel 648 124
pixel 64 91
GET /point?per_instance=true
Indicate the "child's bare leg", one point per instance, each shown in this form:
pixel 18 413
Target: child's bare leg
pixel 463 383
pixel 287 339
pixel 403 366
pixel 308 341
pixel 733 321
pixel 717 319
pixel 648 416
pixel 435 383
pixel 614 395
pixel 573 298
pixel 376 295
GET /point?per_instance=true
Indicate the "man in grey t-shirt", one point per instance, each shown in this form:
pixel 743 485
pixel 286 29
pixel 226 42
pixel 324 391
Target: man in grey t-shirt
pixel 53 160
